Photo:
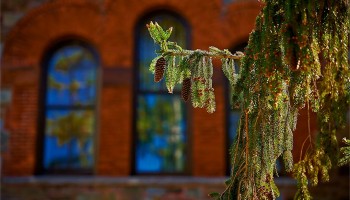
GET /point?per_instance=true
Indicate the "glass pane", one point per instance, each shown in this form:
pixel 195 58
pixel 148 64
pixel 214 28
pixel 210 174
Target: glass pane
pixel 161 139
pixel 69 139
pixel 233 124
pixel 234 115
pixel 72 77
pixel 147 48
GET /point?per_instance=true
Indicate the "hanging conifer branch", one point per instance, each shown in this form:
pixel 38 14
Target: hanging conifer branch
pixel 194 66
pixel 172 49
pixel 297 55
pixel 346 151
pixel 222 54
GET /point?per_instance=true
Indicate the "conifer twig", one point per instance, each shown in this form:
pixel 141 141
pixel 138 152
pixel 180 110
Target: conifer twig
pixel 172 49
pixel 184 52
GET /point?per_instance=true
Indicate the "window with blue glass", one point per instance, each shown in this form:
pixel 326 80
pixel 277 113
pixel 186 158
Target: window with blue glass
pixel 70 106
pixel 161 139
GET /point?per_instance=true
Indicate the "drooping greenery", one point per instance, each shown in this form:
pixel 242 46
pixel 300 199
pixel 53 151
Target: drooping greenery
pixel 346 151
pixel 297 56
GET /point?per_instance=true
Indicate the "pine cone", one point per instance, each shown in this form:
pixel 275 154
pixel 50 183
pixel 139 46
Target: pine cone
pixel 186 88
pixel 160 68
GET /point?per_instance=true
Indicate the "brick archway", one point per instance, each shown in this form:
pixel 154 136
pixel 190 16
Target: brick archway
pixel 96 22
pixel 31 37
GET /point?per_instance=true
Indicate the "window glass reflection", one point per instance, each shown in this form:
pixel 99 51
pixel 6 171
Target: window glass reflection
pixel 161 117
pixel 70 109
pixel 161 134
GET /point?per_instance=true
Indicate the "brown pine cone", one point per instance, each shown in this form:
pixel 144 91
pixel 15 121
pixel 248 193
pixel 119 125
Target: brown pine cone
pixel 186 89
pixel 160 68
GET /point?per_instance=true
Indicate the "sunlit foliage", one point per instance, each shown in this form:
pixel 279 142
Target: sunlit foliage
pixel 297 56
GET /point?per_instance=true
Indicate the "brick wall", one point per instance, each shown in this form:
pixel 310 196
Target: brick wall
pixel 109 27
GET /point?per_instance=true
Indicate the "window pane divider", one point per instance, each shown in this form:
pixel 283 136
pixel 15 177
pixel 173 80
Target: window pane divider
pixel 70 107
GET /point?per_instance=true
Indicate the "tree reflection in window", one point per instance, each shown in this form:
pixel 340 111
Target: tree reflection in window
pixel 161 119
pixel 70 109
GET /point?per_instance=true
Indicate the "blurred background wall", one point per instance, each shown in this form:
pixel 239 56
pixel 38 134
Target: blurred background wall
pixel 82 119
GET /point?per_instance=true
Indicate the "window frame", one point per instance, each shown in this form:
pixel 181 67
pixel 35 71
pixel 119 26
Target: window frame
pixel 137 91
pixel 43 107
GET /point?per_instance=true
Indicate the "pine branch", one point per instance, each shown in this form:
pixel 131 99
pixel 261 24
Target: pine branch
pixel 346 153
pixel 212 54
pixel 297 55
pixel 172 49
pixel 194 66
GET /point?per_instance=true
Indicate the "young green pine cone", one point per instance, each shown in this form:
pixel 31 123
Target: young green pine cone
pixel 160 68
pixel 186 88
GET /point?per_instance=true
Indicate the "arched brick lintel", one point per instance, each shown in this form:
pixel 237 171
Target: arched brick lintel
pixel 240 22
pixel 54 21
pixel 95 23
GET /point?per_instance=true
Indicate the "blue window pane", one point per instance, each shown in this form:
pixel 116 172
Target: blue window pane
pixel 69 139
pixel 233 124
pixel 72 77
pixel 147 51
pixel 161 125
pixel 70 109
pixel 161 129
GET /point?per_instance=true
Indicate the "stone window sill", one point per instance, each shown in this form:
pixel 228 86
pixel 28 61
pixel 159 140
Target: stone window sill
pixel 131 180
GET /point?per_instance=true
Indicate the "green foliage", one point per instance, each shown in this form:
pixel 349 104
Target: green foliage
pixel 296 57
pixel 214 195
pixel 67 62
pixel 183 64
pixel 71 126
pixel 53 83
pixel 156 121
pixel 346 152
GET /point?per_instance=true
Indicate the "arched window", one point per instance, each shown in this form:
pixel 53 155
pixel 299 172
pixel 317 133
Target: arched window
pixel 160 128
pixel 70 107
